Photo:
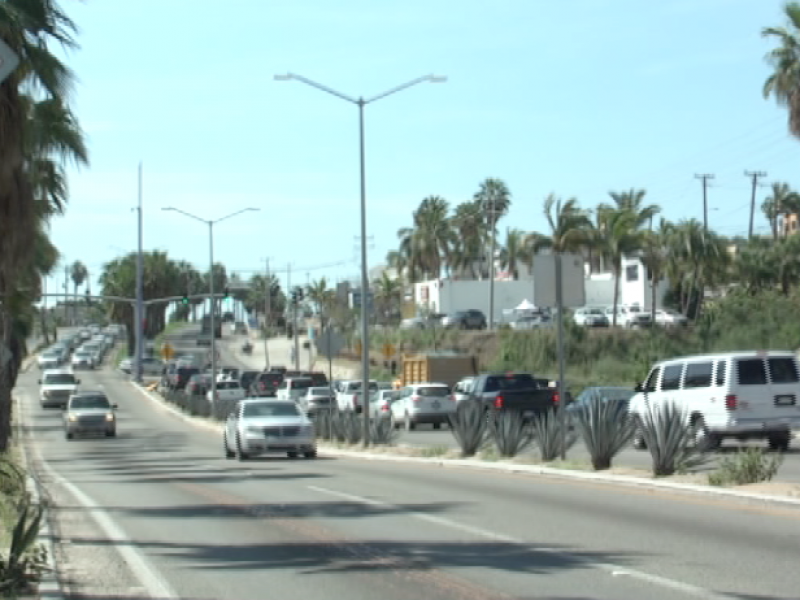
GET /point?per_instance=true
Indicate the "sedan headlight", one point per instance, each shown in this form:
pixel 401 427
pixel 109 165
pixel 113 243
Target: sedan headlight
pixel 72 418
pixel 110 417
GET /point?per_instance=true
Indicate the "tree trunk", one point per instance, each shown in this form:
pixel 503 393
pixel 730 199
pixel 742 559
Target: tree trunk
pixel 617 276
pixel 653 286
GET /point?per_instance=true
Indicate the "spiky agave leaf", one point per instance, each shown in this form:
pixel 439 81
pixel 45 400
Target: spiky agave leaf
pixel 510 432
pixel 550 435
pixel 352 427
pixel 382 431
pixel 469 427
pixel 670 439
pixel 604 427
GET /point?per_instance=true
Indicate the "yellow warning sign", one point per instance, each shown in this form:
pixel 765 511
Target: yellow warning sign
pixel 167 352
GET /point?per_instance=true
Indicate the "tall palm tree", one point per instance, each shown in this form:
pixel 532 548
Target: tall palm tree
pixel 495 199
pixel 515 252
pixel 388 296
pixel 633 202
pixel 784 81
pixel 654 253
pixel 322 297
pixel 783 201
pixel 427 243
pixel 78 273
pixel 618 237
pixel 469 226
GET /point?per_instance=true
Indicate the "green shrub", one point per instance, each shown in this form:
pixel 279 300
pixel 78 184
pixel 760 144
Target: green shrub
pixel 24 562
pixel 751 465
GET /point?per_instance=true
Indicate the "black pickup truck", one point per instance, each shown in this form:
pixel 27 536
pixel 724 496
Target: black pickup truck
pixel 520 392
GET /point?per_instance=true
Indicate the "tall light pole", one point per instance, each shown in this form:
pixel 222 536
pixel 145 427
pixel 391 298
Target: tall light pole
pixel 361 102
pixel 138 313
pixel 213 322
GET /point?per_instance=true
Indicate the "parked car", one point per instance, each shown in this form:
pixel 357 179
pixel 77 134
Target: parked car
pixel 630 317
pixel 590 316
pixel 316 398
pixel 670 318
pixel 257 426
pixel 738 395
pixel 380 404
pixel 423 403
pixel 465 319
pixel 90 413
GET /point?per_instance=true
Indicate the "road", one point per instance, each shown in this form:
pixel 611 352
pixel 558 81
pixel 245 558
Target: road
pixel 158 512
pixel 426 437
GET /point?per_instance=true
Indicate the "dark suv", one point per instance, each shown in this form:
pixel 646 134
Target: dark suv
pixel 465 319
pixel 178 379
pixel 265 384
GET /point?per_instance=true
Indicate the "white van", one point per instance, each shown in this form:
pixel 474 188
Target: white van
pixel 740 395
pixel 293 388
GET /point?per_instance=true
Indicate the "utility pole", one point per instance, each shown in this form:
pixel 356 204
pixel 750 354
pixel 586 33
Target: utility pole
pixel 66 296
pixel 267 313
pixel 139 312
pixel 493 249
pixel 755 175
pixel 704 178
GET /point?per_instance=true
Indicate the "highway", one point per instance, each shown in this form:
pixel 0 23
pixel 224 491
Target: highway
pixel 426 437
pixel 159 513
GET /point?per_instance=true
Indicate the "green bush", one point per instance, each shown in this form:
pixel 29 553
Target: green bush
pixel 750 465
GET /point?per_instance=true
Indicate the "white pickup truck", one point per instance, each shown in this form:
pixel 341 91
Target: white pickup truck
pixel 348 394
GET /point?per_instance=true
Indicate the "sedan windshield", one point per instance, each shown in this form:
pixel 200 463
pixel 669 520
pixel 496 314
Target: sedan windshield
pixel 59 379
pixel 270 409
pixel 85 402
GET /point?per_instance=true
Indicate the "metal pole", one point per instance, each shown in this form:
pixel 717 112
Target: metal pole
pixel 139 311
pixel 267 311
pixel 213 319
pixel 296 335
pixel 493 247
pixel 364 282
pixel 562 398
pixel 288 286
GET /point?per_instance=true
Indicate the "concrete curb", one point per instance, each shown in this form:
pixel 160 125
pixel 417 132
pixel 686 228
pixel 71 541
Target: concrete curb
pixel 50 586
pixel 624 480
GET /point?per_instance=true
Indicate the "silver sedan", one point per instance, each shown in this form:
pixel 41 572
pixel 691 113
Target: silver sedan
pixel 90 413
pixel 259 426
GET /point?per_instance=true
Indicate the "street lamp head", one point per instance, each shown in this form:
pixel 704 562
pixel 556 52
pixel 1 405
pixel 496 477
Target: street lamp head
pixel 437 78
pixel 284 77
pixel 167 208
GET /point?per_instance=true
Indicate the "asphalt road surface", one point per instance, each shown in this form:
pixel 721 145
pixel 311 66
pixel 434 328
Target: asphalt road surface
pixel 426 437
pixel 159 513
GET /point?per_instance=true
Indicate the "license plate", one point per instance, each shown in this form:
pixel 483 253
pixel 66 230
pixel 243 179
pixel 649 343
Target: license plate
pixel 436 405
pixel 787 400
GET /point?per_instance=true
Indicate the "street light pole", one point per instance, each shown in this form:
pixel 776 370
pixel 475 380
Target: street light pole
pixel 138 313
pixel 213 319
pixel 361 103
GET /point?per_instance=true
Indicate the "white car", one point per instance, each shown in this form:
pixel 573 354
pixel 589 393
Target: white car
pixel 348 394
pixel 629 316
pixel 738 395
pixel 56 387
pixel 463 389
pixel 258 426
pixel 380 404
pixel 423 403
pixel 670 318
pixel 293 388
pixel 83 360
pixel 317 398
pixel 50 359
pixel 227 391
pixel 591 316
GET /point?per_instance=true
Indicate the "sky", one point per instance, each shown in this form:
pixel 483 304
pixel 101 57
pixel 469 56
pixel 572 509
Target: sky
pixel 575 97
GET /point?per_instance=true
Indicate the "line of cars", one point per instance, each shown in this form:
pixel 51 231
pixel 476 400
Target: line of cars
pixel 84 349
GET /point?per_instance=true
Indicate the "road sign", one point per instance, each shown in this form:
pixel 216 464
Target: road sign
pixel 329 343
pixel 357 347
pixel 167 351
pixel 388 350
pixel 8 61
pixel 573 280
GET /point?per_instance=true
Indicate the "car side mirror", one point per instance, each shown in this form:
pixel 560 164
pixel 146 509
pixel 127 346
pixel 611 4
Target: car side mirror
pixel 115 406
pixel 77 381
pixel 40 382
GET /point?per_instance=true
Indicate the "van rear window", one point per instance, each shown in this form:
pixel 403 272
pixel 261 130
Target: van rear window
pixel 782 370
pixel 751 371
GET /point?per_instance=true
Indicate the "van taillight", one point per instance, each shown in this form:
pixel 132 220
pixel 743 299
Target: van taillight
pixel 415 398
pixel 498 402
pixel 731 402
pixel 556 398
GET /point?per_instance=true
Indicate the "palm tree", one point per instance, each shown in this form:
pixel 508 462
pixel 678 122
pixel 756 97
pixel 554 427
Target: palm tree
pixel 495 200
pixel 78 273
pixel 618 237
pixel 568 223
pixel 388 296
pixel 515 252
pixel 654 252
pixel 782 202
pixel 427 243
pixel 322 297
pixel 784 81
pixel 633 202
pixel 469 226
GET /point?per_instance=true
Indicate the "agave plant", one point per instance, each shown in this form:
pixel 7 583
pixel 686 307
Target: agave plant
pixel 469 427
pixel 551 435
pixel 322 424
pixel 665 431
pixel 510 432
pixel 382 431
pixel 12 479
pixel 351 427
pixel 24 562
pixel 604 427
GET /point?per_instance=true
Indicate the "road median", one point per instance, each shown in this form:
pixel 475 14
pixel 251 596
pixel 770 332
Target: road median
pixel 768 492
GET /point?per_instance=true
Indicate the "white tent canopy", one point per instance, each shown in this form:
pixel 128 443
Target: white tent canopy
pixel 526 305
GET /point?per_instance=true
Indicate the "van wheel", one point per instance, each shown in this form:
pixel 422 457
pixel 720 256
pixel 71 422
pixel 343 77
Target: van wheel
pixel 704 440
pixel 779 443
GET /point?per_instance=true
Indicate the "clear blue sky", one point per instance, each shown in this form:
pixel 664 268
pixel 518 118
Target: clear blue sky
pixel 576 97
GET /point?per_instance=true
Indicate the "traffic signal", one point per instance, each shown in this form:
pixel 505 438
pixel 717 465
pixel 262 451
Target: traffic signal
pixel 300 293
pixel 294 296
pixel 227 293
pixel 185 300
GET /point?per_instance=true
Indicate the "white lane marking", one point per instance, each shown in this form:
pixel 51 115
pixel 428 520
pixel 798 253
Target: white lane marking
pixel 614 570
pixel 148 576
